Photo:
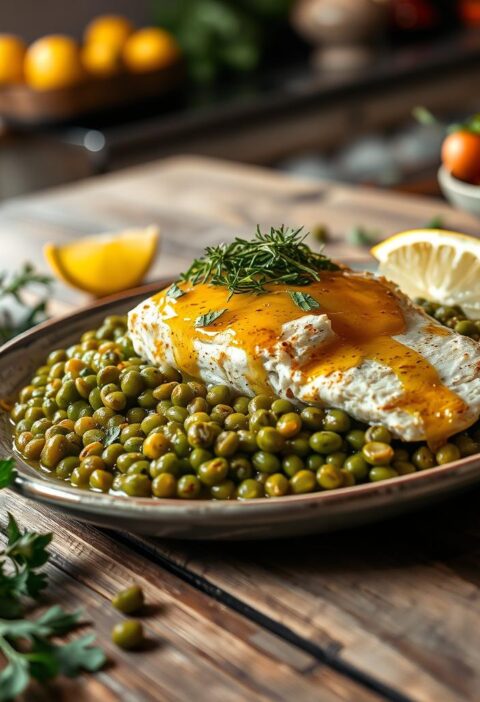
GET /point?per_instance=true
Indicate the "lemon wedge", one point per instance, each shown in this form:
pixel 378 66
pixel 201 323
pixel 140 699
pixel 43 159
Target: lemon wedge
pixel 435 264
pixel 106 263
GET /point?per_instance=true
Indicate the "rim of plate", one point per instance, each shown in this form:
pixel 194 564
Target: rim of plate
pixel 44 487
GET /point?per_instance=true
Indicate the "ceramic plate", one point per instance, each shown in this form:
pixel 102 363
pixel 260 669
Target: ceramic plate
pixel 263 518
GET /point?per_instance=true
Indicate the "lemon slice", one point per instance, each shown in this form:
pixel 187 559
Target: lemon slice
pixel 435 264
pixel 106 263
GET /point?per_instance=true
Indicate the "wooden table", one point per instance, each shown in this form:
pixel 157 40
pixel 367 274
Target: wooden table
pixel 385 612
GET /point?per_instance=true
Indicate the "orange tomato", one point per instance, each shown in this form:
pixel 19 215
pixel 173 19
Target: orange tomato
pixel 12 52
pixel 461 155
pixel 150 49
pixel 53 62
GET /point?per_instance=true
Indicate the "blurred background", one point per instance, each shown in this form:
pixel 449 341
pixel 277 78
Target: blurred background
pixel 318 88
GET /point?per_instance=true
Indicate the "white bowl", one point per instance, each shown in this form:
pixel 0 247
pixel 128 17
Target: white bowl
pixel 463 195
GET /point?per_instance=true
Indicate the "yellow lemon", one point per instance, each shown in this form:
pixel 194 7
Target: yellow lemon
pixel 102 60
pixel 53 62
pixel 435 264
pixel 106 263
pixel 108 29
pixel 150 49
pixel 12 52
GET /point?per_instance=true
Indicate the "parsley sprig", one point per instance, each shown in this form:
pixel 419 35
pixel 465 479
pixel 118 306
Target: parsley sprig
pixel 26 644
pixel 7 472
pixel 248 265
pixel 30 653
pixel 19 562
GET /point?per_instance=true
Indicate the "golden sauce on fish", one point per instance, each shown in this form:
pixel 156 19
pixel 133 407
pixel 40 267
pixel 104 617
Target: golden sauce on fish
pixel 364 314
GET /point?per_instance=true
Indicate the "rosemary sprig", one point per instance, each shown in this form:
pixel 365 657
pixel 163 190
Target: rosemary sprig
pixel 29 315
pixel 247 266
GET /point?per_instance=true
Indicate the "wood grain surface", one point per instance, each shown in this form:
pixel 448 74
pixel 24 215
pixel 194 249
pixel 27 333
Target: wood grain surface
pixel 199 202
pixel 390 611
pixel 197 648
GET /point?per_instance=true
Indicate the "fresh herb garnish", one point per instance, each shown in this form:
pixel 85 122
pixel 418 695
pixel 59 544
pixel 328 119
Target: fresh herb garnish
pixel 111 435
pixel 305 301
pixel 30 653
pixel 7 472
pixel 427 118
pixel 13 289
pixel 424 116
pixel 26 644
pixel 247 266
pixel 361 236
pixel 25 552
pixel 175 292
pixel 437 222
pixel 205 320
pixel 471 124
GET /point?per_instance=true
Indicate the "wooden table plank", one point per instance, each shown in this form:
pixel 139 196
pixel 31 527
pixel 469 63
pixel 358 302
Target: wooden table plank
pixel 199 202
pixel 396 602
pixel 399 600
pixel 197 648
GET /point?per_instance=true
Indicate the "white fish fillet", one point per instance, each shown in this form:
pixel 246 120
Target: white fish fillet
pixel 362 391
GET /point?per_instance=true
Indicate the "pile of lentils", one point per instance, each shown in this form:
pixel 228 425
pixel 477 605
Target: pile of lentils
pixel 99 417
pixel 451 316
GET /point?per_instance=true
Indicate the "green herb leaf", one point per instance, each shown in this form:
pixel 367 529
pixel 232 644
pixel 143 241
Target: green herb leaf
pixel 361 236
pixel 424 116
pixel 29 549
pixel 27 647
pixel 205 320
pixel 78 655
pixel 436 222
pixel 472 125
pixel 248 266
pixel 7 472
pixel 13 530
pixel 175 292
pixel 305 301
pixel 19 562
pixel 15 677
pixel 13 288
pixel 111 435
pixel 56 621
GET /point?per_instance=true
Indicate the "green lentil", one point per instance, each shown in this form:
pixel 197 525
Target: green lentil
pixel 382 473
pixel 129 600
pixel 250 489
pixel 164 486
pixel 189 487
pixel 277 485
pixel 128 634
pixel 303 482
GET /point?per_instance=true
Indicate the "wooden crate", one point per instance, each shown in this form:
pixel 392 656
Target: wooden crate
pixel 20 104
